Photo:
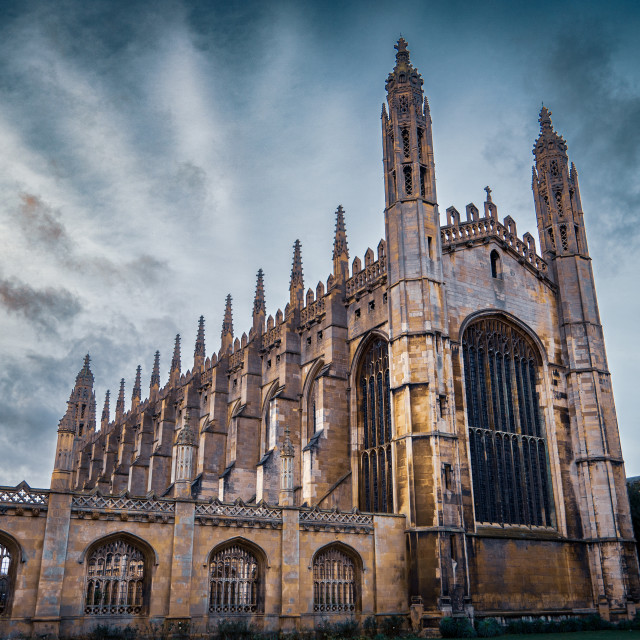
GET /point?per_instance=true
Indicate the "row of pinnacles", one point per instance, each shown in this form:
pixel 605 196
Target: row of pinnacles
pixel 136 450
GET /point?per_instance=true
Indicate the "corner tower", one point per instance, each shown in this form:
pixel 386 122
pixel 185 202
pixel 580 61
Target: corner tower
pixel 423 438
pixel 597 467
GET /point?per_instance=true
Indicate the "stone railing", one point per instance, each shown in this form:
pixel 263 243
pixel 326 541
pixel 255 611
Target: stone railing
pixel 21 496
pixel 334 520
pixel 239 514
pixel 467 232
pixel 124 507
pixel 312 311
pixel 368 277
pixel 272 337
pixel 25 495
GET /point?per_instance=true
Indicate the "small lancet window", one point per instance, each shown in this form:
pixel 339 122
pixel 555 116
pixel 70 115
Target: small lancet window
pixel 408 180
pixel 496 265
pixel 6 565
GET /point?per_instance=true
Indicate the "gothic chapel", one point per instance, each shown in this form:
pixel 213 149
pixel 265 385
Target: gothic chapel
pixel 419 436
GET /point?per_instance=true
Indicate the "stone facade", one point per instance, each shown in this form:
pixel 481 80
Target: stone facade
pixel 420 435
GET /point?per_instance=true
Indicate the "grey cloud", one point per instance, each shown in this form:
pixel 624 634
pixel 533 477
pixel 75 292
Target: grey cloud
pixel 45 308
pixel 42 227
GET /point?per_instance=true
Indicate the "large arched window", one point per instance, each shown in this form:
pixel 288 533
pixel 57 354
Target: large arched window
pixel 506 427
pixel 335 581
pixel 374 408
pixel 234 580
pixel 116 579
pixel 7 562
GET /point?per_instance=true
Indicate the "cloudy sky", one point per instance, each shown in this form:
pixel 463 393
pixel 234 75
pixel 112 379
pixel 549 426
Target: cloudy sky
pixel 154 155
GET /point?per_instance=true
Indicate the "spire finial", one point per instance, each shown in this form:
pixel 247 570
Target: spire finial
pixel 545 118
pixel 199 350
pixel 104 420
pixel 258 301
pixel 340 248
pixel 137 392
pixel 85 377
pixel 175 361
pixel 227 325
pixel 155 374
pixel 120 401
pixel 488 190
pixel 296 285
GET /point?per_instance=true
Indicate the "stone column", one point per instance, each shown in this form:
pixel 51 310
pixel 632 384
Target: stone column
pixel 46 621
pixel 182 562
pixel 290 612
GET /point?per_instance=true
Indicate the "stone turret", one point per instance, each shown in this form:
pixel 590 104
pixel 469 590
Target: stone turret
pixel 73 426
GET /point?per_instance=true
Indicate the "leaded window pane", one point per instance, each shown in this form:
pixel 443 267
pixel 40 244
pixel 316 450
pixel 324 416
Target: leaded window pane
pixel 507 444
pixel 375 420
pixel 5 578
pixel 233 576
pixel 334 582
pixel 115 580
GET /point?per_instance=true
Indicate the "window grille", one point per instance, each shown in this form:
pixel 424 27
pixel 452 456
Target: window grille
pixel 559 203
pixel 233 577
pixel 5 578
pixel 554 169
pixel 564 237
pixel 507 442
pixel 551 238
pixel 406 146
pixel 115 580
pixel 375 415
pixel 420 138
pixel 423 182
pixel 334 582
pixel 408 180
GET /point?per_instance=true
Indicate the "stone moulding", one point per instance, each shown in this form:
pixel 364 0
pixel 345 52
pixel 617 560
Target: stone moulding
pixel 238 514
pixel 335 520
pixel 124 507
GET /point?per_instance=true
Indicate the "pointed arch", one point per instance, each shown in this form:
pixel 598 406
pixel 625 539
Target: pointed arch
pixel 237 570
pixel 268 420
pixel 117 575
pixel 311 400
pixel 370 376
pixel 508 449
pixel 11 555
pixel 337 571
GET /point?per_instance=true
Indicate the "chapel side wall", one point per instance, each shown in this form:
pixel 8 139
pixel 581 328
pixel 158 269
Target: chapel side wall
pixel 28 530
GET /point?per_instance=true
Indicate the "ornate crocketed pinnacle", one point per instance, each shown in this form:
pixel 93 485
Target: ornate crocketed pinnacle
pixel 403 73
pixel 227 323
pixel 85 377
pixel 297 279
pixel 155 374
pixel 105 409
pixel 120 401
pixel 137 392
pixel 549 143
pixel 200 347
pixel 258 301
pixel 340 247
pixel 186 437
pixel 488 190
pixel 175 361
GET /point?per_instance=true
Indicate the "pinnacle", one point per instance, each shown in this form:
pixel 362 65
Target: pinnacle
pixel 545 118
pixel 136 393
pixel 259 302
pixel 296 267
pixel 105 409
pixel 227 323
pixel 340 240
pixel 175 361
pixel 120 401
pixel 200 346
pixel 84 375
pixel 155 374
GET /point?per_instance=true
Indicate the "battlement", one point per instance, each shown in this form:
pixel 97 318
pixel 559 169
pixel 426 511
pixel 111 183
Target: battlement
pixel 373 274
pixel 476 230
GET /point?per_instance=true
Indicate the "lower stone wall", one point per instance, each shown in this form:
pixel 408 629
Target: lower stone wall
pixel 528 575
pixel 178 538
